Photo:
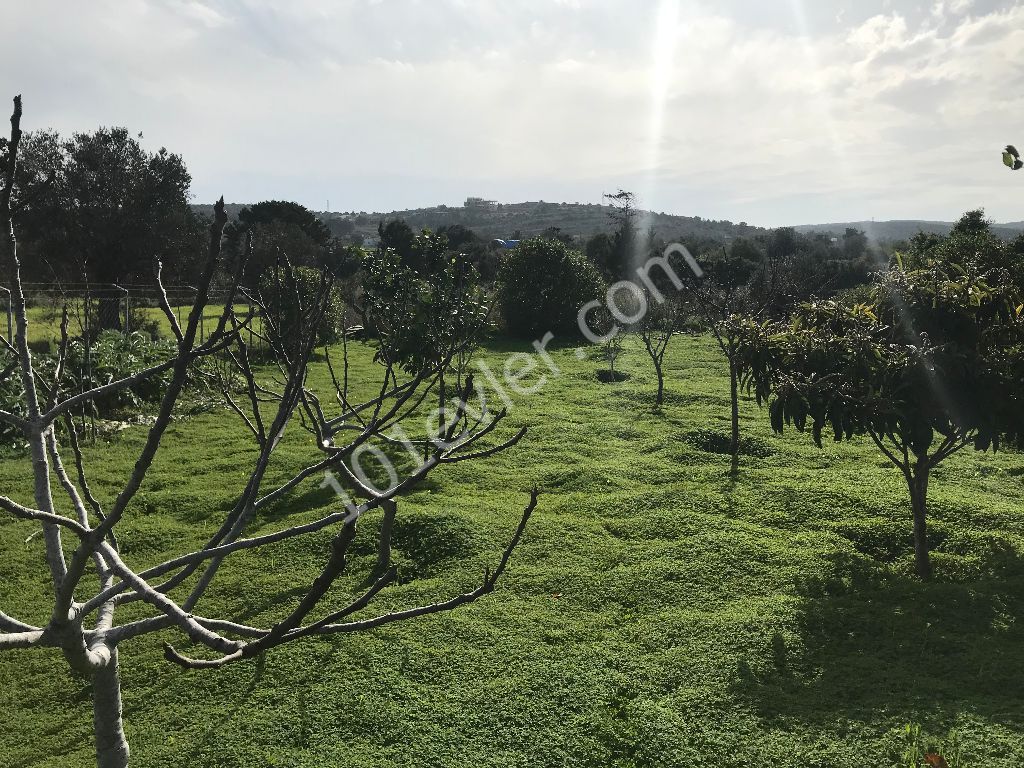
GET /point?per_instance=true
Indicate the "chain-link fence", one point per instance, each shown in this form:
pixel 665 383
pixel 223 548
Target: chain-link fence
pixel 95 308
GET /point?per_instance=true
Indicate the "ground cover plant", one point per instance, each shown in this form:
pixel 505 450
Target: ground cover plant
pixel 658 612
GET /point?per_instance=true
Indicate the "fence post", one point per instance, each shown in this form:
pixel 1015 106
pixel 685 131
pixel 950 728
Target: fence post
pixel 125 292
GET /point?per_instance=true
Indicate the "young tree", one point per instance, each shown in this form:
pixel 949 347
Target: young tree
pixel 737 282
pixel 932 363
pixel 80 534
pixel 662 320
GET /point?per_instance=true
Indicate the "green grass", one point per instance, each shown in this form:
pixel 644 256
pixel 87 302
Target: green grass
pixel 658 613
pixel 44 320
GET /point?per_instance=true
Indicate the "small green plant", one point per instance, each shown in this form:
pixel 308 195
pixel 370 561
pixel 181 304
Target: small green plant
pixel 111 357
pixel 919 751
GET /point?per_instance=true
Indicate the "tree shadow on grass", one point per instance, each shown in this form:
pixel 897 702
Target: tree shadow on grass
pixel 217 727
pixel 872 642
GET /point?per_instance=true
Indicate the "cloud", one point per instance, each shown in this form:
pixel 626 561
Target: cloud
pixel 766 117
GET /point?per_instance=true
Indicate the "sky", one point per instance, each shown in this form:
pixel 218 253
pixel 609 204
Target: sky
pixel 772 112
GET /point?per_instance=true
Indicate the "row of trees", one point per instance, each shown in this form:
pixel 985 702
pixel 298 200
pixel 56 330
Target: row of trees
pixel 924 361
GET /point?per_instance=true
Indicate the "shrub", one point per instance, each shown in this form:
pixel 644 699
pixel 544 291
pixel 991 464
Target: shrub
pixel 421 315
pixel 543 284
pixel 112 356
pixel 279 301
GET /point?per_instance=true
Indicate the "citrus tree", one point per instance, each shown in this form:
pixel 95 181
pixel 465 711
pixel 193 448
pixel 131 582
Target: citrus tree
pixel 932 363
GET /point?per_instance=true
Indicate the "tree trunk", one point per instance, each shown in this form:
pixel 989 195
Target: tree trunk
pixel 660 398
pixel 917 482
pixel 734 393
pixel 390 507
pixel 111 744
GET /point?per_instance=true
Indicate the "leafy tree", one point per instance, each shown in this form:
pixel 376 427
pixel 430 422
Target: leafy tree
pixel 286 289
pixel 341 228
pixel 459 237
pixel 543 284
pixel 399 237
pixel 99 207
pixel 621 257
pixel 599 250
pixel 419 315
pixel 279 227
pixel 931 364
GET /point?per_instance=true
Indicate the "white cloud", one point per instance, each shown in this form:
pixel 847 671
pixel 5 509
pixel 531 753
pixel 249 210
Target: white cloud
pixel 889 110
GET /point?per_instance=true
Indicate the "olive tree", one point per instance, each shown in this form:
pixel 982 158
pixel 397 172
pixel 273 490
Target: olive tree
pixel 932 363
pixel 80 534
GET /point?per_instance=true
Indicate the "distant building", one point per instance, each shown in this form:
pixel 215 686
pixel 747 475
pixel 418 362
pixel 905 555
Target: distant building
pixel 480 204
pixel 505 243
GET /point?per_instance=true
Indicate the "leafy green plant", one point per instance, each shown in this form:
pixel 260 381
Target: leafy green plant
pixel 543 284
pixel 919 752
pixel 422 314
pixel 112 356
pixel 933 363
pixel 283 304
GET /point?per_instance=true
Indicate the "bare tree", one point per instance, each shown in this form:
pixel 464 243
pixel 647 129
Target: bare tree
pixel 662 320
pixel 733 283
pixel 83 617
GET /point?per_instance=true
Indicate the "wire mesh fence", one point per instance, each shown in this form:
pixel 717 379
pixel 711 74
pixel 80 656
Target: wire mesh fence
pixel 94 308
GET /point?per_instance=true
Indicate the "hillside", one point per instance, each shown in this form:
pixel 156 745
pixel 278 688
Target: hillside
pixel 506 220
pixel 903 229
pixel 526 219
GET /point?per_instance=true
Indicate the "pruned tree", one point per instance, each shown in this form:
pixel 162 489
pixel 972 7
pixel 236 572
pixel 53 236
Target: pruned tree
pixel 736 282
pixel 80 534
pixel 931 364
pixel 656 328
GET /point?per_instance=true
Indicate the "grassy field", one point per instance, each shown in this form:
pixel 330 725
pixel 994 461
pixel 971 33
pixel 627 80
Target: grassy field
pixel 658 612
pixel 44 320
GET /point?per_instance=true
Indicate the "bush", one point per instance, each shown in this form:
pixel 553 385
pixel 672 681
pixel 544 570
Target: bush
pixel 420 316
pixel 543 284
pixel 285 313
pixel 111 357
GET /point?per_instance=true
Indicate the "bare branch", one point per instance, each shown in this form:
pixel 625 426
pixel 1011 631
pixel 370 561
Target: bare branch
pixel 490 580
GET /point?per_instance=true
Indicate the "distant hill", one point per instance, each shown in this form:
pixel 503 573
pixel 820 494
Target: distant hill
pixel 903 229
pixel 497 220
pixel 505 220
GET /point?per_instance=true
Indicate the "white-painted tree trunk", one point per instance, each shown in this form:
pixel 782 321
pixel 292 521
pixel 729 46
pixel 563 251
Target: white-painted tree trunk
pixel 111 744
